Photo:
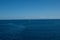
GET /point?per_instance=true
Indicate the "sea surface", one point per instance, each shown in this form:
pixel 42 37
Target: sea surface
pixel 42 29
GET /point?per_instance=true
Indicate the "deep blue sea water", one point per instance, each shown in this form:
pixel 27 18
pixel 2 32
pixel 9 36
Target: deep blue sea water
pixel 48 29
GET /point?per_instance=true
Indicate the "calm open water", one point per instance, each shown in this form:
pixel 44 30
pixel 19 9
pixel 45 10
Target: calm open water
pixel 48 29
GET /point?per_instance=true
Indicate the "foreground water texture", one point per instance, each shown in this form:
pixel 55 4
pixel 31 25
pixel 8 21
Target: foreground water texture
pixel 30 29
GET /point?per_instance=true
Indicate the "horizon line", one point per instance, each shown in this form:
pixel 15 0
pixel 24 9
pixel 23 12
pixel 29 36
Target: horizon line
pixel 30 19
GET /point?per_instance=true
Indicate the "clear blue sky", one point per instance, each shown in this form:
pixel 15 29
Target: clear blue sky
pixel 29 9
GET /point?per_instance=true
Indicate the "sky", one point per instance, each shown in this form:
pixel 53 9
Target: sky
pixel 29 9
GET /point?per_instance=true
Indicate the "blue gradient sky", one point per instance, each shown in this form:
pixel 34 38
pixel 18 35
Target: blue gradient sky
pixel 29 9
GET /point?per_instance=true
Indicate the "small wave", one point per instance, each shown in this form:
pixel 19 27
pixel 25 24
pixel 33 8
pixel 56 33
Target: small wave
pixel 17 27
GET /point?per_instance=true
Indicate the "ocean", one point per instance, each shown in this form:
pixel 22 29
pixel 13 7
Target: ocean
pixel 37 29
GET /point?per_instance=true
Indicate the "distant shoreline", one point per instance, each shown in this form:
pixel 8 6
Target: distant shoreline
pixel 29 19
